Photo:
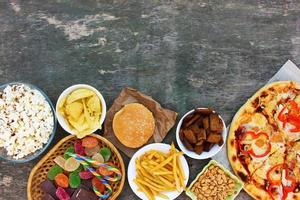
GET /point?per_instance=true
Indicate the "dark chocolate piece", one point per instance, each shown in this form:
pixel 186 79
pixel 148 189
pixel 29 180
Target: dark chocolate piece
pixel 48 197
pixel 83 194
pixel 86 184
pixel 48 187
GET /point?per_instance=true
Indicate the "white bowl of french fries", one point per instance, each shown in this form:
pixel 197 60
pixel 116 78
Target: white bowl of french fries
pixel 158 171
pixel 81 110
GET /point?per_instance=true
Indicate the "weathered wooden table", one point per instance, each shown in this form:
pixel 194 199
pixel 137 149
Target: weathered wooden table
pixel 184 53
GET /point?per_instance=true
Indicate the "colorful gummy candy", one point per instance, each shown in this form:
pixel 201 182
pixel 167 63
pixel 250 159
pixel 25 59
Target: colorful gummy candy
pixel 61 194
pixel 60 161
pixel 98 157
pixel 89 142
pixel 98 184
pixel 71 164
pixel 74 180
pixel 79 149
pixel 104 171
pixel 106 153
pixel 86 175
pixel 54 170
pixel 62 180
pixel 92 151
pixel 71 150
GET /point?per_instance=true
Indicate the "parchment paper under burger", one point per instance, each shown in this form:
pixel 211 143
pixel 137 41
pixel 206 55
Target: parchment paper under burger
pixel 164 118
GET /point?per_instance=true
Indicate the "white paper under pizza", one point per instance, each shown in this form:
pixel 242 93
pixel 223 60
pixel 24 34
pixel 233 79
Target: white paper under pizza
pixel 289 71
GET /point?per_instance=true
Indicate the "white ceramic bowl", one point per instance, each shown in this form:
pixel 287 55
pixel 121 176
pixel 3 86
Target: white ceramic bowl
pixel 204 155
pixel 131 173
pixel 62 121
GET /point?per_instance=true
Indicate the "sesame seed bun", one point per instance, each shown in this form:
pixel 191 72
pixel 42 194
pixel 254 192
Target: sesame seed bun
pixel 133 125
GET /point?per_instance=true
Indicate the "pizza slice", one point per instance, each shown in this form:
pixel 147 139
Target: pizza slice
pixel 288 118
pixel 259 184
pixel 254 140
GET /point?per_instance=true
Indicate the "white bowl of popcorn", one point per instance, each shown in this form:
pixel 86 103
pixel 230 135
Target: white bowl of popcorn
pixel 27 122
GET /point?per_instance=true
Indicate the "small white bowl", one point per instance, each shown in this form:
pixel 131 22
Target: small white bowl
pixel 204 155
pixel 62 121
pixel 131 173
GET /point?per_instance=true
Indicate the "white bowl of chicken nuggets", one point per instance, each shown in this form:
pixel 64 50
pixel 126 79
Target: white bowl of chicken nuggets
pixel 201 133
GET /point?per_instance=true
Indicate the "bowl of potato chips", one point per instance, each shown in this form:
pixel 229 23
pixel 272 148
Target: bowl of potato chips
pixel 158 171
pixel 81 110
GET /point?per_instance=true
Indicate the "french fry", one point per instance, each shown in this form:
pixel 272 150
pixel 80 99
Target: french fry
pixel 162 196
pixel 142 188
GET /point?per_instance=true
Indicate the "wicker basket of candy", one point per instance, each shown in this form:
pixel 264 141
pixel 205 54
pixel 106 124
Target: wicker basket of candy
pixel 100 172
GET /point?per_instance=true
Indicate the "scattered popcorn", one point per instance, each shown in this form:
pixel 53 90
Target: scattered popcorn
pixel 26 120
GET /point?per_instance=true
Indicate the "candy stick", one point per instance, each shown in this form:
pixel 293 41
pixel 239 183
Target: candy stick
pixel 93 171
pixel 117 172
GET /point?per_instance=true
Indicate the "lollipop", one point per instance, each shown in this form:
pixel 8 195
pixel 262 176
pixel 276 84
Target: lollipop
pixel 104 179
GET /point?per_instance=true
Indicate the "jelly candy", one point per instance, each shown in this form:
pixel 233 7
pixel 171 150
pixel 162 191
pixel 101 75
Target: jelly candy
pixel 61 194
pixel 98 157
pixel 60 161
pixel 54 170
pixel 92 151
pixel 86 174
pixel 106 153
pixel 104 171
pixel 74 180
pixel 47 197
pixel 48 187
pixel 71 164
pixel 62 180
pixel 89 142
pixel 71 150
pixel 98 184
pixel 83 194
pixel 79 149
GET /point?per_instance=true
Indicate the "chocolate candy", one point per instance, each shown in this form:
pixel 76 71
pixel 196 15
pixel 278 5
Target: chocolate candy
pixel 74 180
pixel 86 184
pixel 70 191
pixel 47 197
pixel 54 170
pixel 82 194
pixel 48 187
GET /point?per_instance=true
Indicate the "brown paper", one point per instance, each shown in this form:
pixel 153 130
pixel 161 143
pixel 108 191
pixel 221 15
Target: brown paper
pixel 164 118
